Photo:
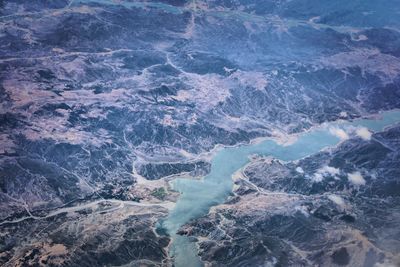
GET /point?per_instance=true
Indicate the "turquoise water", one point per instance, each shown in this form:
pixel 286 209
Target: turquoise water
pixel 165 7
pixel 197 196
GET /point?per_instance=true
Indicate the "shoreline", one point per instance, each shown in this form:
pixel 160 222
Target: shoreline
pixel 275 138
pixel 292 137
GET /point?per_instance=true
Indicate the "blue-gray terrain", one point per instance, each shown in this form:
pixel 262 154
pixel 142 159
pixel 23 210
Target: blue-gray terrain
pixel 103 102
pixel 337 207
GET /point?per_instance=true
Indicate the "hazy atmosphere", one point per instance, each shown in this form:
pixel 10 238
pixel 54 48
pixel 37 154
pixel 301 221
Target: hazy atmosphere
pixel 200 133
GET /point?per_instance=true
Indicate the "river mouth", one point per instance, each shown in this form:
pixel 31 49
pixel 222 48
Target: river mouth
pixel 198 196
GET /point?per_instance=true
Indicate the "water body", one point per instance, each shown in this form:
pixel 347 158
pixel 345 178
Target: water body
pixel 165 7
pixel 197 196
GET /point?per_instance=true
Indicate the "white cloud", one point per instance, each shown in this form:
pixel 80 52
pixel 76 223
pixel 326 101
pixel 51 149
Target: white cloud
pixel 364 133
pixel 339 133
pixel 356 178
pixel 321 173
pixel 299 170
pixel 337 200
pixel 318 177
pixel 329 170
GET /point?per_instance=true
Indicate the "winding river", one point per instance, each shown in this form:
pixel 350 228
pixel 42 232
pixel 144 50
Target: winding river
pixel 197 196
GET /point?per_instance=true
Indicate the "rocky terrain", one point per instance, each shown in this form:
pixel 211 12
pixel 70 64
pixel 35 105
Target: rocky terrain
pixel 96 234
pixel 100 100
pixel 338 207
